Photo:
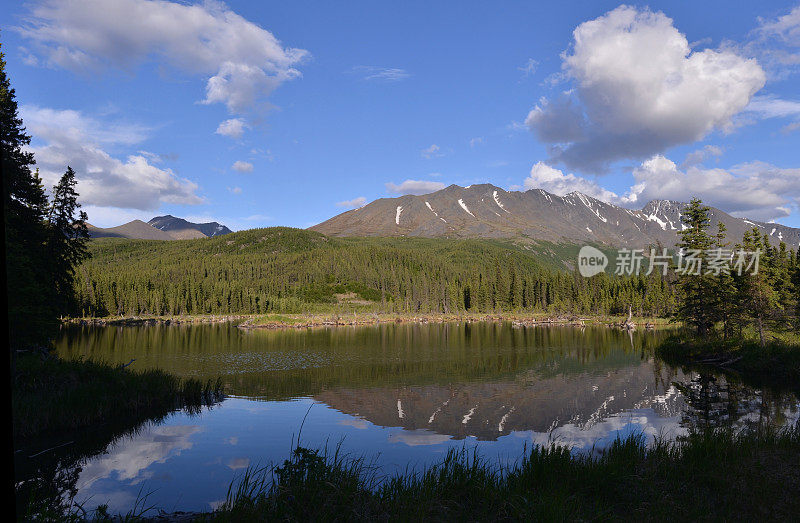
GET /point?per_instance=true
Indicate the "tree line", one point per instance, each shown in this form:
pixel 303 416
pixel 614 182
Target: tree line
pixel 290 270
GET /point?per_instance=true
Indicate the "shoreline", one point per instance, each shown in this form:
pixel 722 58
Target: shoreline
pixel 305 321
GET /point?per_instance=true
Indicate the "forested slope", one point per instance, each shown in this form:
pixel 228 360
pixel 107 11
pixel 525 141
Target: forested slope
pixel 291 270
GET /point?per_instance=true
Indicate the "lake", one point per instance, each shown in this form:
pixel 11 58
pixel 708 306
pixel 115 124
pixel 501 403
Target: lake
pixel 399 395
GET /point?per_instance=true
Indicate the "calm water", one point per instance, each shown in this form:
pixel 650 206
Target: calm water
pixel 401 395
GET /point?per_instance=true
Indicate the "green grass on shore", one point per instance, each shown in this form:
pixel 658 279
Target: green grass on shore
pixel 717 475
pixel 52 394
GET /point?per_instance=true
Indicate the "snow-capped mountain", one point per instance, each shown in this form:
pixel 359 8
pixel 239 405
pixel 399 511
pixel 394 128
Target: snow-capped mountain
pixel 487 211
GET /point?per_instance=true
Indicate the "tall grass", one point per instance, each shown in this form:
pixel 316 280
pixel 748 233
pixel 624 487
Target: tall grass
pixel 718 474
pixel 54 395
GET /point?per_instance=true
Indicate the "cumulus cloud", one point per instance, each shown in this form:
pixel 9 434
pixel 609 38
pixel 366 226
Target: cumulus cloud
pixel 233 128
pixel 355 203
pixel 243 63
pixel 638 90
pixel 380 74
pixel 414 187
pixel 64 137
pixel 755 190
pixel 242 167
pixel 555 181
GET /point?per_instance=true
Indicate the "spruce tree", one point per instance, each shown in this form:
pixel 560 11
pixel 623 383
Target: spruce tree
pixel 697 304
pixel 67 237
pixel 726 309
pixel 24 207
pixel 757 292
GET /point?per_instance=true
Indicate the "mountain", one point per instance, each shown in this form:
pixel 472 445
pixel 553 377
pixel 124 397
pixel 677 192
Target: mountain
pixel 160 228
pixel 182 229
pixel 489 410
pixel 136 229
pixel 487 211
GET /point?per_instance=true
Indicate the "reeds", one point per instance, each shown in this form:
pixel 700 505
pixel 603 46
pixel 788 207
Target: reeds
pixel 719 474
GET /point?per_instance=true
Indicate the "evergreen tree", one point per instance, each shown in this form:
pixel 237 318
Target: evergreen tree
pixel 66 241
pixel 757 291
pixel 726 309
pixel 695 283
pixel 24 207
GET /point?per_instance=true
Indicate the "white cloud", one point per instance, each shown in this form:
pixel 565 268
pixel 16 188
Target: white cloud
pixel 235 190
pixel 476 141
pixel 414 187
pixel 638 90
pixel 434 151
pixel 243 62
pixel 777 43
pixel 63 138
pixel 554 181
pixel 380 74
pixel 754 190
pixel 355 203
pixel 771 107
pixel 233 128
pixel 242 167
pixel 700 155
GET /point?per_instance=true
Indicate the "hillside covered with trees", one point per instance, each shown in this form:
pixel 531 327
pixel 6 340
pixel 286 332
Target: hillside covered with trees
pixel 291 270
pixel 297 271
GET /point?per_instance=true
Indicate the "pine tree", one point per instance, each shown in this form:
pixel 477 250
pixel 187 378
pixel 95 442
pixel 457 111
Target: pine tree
pixel 696 289
pixel 757 292
pixel 724 292
pixel 66 241
pixel 24 207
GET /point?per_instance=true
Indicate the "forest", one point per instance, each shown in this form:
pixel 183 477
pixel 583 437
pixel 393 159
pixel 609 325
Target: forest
pixel 291 270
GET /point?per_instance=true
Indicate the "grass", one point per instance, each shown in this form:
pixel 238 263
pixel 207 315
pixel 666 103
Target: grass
pixel 716 475
pixel 777 364
pixel 54 395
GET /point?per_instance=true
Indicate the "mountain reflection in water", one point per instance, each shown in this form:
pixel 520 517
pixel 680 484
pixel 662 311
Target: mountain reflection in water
pixel 401 394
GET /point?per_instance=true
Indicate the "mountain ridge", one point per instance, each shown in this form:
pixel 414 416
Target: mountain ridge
pixel 488 211
pixel 179 226
pixel 164 228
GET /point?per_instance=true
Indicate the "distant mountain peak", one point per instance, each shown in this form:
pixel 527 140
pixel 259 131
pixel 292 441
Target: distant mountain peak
pixel 175 225
pixel 165 227
pixel 487 211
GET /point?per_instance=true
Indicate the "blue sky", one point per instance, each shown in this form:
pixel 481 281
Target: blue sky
pixel 285 113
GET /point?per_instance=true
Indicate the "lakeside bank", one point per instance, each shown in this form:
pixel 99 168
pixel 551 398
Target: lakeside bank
pixel 333 319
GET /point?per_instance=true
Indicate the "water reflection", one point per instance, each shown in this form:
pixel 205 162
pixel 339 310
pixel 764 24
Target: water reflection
pixel 402 394
pixel 715 401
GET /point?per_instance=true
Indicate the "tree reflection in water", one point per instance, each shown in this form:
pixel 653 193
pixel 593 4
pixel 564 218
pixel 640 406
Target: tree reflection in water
pixel 717 401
